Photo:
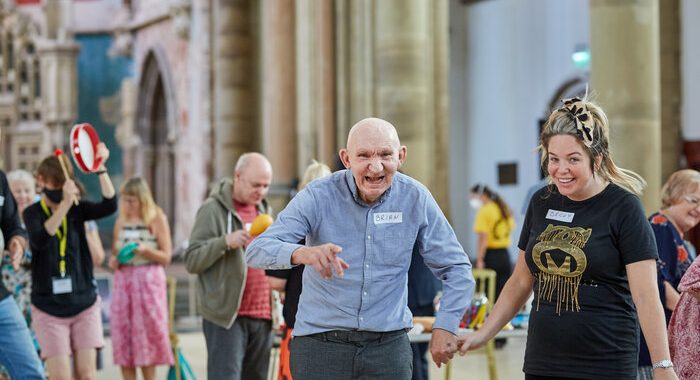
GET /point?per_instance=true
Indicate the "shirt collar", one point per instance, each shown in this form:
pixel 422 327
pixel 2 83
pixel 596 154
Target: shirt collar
pixel 352 186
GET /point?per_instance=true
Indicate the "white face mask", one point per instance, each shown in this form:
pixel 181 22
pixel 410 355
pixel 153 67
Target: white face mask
pixel 475 203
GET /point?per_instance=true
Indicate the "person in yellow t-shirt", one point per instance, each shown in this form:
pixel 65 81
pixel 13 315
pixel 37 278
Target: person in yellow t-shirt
pixel 493 225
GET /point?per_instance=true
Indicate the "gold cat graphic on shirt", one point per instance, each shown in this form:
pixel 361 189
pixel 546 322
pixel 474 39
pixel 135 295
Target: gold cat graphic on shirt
pixel 560 281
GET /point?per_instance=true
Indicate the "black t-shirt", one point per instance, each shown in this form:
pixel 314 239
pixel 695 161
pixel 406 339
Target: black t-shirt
pixel 583 321
pixel 9 222
pixel 79 266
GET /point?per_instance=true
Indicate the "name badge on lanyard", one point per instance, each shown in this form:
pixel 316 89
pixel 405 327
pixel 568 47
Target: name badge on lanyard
pixel 61 285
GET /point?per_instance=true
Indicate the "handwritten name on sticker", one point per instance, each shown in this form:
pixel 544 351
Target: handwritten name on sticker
pixel 561 216
pixel 388 217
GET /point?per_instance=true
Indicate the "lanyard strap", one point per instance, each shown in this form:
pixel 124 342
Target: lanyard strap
pixel 62 238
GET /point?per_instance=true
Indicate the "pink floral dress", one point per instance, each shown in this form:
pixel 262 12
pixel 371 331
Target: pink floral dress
pixel 684 328
pixel 139 308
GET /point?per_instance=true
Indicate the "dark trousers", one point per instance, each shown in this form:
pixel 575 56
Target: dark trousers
pixel 351 355
pixel 241 352
pixel 498 260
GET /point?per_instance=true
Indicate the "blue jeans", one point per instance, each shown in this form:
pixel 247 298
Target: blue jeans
pixel 17 353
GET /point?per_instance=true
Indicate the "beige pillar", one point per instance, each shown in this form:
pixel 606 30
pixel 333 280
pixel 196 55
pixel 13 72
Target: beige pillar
pixel 314 83
pixel 441 102
pixel 277 84
pixel 354 64
pixel 670 36
pixel 625 77
pixel 59 91
pixel 233 78
pixel 392 63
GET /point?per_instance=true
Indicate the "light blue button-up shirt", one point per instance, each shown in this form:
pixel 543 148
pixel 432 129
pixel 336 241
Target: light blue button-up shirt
pixel 377 241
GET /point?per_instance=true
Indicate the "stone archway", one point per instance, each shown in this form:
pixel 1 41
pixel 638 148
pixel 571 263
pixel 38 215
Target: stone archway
pixel 155 126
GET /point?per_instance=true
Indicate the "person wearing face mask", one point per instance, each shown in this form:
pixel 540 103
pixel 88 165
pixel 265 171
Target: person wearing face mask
pixel 589 256
pixel 65 304
pixel 493 225
pixel 680 212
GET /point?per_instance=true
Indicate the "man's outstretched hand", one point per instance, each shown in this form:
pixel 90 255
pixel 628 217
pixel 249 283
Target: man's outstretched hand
pixel 324 258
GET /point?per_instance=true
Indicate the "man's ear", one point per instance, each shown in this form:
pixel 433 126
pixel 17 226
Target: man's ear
pixel 402 154
pixel 345 157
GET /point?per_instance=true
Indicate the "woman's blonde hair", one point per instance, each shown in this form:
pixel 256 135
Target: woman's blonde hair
pixel 587 122
pixel 679 184
pixel 21 175
pixel 137 187
pixel 313 171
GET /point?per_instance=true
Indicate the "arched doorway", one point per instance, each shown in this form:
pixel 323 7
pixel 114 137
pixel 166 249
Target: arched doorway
pixel 155 127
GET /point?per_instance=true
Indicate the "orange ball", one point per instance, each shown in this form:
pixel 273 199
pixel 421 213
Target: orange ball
pixel 260 224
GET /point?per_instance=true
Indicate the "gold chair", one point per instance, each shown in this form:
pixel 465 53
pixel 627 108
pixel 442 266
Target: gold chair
pixel 486 284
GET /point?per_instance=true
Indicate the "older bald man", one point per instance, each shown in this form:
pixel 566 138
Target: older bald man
pixel 361 225
pixel 234 300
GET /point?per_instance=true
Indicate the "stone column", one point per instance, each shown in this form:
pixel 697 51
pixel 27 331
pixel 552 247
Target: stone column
pixel 59 90
pixel 625 77
pixel 233 78
pixel 670 49
pixel 277 84
pixel 314 83
pixel 354 64
pixel 392 61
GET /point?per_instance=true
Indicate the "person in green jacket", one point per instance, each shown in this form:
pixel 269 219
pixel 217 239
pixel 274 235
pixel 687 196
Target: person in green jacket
pixel 234 300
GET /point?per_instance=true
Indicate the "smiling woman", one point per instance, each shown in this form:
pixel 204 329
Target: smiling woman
pixel 588 254
pixel 680 198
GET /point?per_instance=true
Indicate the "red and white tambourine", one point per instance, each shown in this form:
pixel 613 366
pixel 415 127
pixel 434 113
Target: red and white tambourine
pixel 83 147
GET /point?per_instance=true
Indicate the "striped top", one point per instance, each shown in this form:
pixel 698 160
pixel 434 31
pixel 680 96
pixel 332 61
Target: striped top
pixel 137 232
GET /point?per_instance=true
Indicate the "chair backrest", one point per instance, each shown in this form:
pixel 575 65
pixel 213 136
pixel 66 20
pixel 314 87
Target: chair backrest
pixel 486 284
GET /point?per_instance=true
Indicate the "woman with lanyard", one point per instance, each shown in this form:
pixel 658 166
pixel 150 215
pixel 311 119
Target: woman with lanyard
pixel 65 306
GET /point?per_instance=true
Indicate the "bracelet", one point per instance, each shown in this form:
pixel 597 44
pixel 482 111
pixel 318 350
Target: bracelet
pixel 666 363
pixel 100 172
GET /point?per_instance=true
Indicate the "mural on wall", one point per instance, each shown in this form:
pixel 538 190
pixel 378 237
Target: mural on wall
pixel 99 100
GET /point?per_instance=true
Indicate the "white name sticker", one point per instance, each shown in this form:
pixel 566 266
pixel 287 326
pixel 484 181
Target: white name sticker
pixel 2 200
pixel 388 217
pixel 561 216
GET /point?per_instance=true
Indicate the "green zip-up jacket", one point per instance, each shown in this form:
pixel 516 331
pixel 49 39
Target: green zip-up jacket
pixel 221 271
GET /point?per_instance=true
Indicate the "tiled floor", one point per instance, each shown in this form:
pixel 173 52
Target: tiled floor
pixel 473 366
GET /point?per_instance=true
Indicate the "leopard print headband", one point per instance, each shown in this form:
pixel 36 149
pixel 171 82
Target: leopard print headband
pixel 582 117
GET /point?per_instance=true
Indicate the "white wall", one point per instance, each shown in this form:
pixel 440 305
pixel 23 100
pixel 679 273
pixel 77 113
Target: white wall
pixel 507 59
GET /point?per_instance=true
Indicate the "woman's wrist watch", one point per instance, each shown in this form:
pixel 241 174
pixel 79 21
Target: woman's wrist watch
pixel 666 363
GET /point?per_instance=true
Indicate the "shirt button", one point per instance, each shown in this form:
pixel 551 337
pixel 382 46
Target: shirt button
pixel 369 237
pixel 365 293
pixel 366 265
pixel 362 319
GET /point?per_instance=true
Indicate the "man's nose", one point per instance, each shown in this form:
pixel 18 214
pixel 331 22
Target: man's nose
pixel 375 165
